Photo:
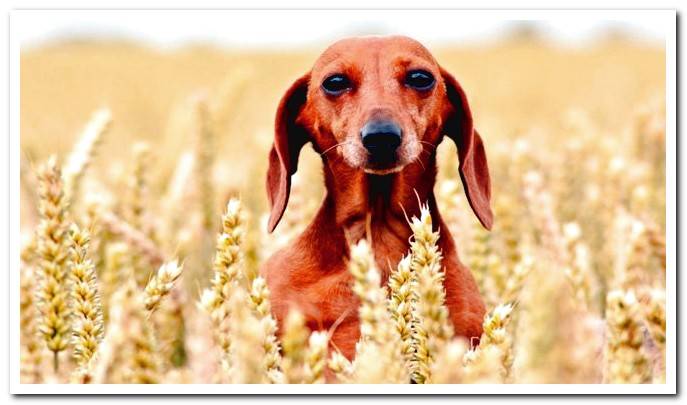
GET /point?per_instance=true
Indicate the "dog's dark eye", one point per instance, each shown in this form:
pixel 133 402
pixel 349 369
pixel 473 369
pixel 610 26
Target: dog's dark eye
pixel 336 84
pixel 419 80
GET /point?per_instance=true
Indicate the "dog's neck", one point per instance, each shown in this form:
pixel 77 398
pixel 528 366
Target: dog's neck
pixel 378 207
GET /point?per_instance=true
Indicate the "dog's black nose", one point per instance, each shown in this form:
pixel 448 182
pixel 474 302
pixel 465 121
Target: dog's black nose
pixel 381 138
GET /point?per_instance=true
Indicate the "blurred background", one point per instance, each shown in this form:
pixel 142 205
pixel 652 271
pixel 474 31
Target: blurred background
pixel 571 109
pixel 146 66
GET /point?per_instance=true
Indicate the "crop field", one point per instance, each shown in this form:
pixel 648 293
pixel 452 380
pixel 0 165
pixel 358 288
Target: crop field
pixel 143 221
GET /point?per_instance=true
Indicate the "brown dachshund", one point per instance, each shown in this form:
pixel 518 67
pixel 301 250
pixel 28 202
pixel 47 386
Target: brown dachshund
pixel 375 109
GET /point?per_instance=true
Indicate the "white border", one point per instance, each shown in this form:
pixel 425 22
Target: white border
pixel 307 28
pixel 16 387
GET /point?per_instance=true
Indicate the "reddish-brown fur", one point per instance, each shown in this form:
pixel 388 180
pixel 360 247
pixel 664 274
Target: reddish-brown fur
pixel 311 274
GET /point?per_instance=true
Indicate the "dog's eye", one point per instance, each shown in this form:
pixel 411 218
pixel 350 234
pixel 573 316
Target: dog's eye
pixel 336 84
pixel 419 80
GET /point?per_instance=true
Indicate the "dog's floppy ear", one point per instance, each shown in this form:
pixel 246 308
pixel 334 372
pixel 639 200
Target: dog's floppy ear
pixel 474 171
pixel 289 138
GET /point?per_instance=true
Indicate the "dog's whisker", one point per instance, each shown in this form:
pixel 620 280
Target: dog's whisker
pixel 429 154
pixel 405 214
pixel 337 322
pixel 333 147
pixel 428 143
pixel 419 160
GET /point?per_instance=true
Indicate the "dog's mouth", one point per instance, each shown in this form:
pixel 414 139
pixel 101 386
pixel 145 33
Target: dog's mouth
pixel 376 162
pixel 380 158
pixel 383 162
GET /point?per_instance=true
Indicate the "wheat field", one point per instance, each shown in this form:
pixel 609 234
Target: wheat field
pixel 143 222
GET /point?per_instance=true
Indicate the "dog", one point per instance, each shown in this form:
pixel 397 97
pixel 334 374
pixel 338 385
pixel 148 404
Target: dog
pixel 375 109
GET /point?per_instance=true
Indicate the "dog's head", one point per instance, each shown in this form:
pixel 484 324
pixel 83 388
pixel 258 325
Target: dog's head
pixel 376 101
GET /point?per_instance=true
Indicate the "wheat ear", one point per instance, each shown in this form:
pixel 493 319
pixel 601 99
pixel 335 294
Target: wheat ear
pixel 626 361
pixel 88 326
pixel 84 151
pixel 492 360
pixel 247 338
pixel 161 284
pixel 129 352
pixel 227 273
pixel 259 298
pixel 52 248
pixel 316 357
pixel 378 358
pixel 448 367
pixel 32 346
pixel 294 342
pixel 341 367
pixel 401 302
pixel 432 329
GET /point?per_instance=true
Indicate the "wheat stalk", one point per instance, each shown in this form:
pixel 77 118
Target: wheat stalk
pixel 657 240
pixel 579 269
pixel 88 323
pixel 380 345
pixel 247 337
pixel 135 208
pixel 116 269
pixel 130 353
pixel 316 358
pixel 493 358
pixel 517 277
pixel 227 274
pixel 432 329
pixel 294 342
pixel 31 358
pixel 259 298
pixel 135 238
pixel 53 290
pixel 83 152
pixel 654 312
pixel 479 252
pixel 171 329
pixel 145 362
pixel 626 361
pixel 448 369
pixel 401 303
pixel 205 151
pixel 161 284
pixel 341 367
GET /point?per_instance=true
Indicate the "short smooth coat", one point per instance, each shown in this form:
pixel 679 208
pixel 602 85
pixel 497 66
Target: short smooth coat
pixel 311 274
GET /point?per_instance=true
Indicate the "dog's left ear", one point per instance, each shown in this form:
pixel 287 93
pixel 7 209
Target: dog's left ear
pixel 289 139
pixel 474 171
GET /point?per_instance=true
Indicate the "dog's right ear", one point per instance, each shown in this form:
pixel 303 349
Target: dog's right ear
pixel 289 139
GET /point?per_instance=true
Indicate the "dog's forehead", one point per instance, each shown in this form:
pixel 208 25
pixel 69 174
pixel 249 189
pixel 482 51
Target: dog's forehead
pixel 359 48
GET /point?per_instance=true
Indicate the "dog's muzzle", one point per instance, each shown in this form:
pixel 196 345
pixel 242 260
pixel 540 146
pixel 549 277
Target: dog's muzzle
pixel 381 138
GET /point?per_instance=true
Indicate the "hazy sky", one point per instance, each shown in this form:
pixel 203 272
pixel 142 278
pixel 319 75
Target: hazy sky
pixel 282 28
